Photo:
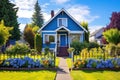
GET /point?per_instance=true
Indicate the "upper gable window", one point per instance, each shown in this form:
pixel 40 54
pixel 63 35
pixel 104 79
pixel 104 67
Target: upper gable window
pixel 62 22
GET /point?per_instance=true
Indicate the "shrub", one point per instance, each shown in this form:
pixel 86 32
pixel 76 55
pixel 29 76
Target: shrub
pixel 18 48
pixel 78 46
pixel 46 50
pixel 93 45
pixel 38 42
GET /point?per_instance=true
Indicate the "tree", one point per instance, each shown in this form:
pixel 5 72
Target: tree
pixel 112 36
pixel 85 25
pixel 37 17
pixel 8 13
pixel 38 42
pixel 114 21
pixel 29 36
pixel 35 29
pixel 4 33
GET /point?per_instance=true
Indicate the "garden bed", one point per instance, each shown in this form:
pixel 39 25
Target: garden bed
pixel 95 69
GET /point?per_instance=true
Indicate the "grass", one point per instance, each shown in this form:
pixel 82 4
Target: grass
pixel 95 75
pixel 27 75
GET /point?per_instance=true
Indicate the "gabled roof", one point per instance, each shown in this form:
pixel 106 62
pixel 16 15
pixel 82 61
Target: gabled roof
pixel 96 31
pixel 63 28
pixel 68 15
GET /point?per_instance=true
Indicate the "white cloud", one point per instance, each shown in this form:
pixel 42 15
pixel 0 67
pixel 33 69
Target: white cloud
pixel 45 5
pixel 26 7
pixel 60 1
pixel 81 13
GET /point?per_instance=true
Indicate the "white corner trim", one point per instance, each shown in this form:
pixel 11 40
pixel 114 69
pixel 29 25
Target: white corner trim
pixel 47 31
pixel 77 32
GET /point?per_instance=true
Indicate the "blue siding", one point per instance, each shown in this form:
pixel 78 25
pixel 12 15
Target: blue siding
pixel 71 24
pixel 50 46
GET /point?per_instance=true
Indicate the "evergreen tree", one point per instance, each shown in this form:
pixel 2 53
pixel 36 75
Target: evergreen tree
pixel 8 13
pixel 37 17
pixel 85 25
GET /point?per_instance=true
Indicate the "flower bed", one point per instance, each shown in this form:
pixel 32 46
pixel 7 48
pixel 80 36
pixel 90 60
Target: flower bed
pixel 27 62
pixel 97 64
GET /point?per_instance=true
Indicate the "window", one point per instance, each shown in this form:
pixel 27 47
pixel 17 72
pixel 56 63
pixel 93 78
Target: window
pixel 62 22
pixel 75 37
pixel 49 38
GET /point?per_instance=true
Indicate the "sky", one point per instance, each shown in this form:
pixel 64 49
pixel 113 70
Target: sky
pixel 96 12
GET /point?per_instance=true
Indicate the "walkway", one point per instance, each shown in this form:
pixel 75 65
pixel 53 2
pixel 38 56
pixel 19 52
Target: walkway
pixel 63 71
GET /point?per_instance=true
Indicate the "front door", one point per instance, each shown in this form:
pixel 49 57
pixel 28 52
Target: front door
pixel 63 45
pixel 63 40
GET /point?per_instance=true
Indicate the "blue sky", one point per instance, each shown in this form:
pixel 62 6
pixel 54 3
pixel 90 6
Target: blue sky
pixel 95 12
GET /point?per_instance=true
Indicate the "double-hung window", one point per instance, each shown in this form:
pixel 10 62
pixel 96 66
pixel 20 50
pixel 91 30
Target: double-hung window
pixel 49 38
pixel 62 22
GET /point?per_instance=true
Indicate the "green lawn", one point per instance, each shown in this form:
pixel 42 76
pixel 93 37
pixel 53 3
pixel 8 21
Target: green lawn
pixel 27 75
pixel 95 75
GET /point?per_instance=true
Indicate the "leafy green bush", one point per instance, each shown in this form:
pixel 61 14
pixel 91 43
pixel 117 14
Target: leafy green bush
pixel 18 48
pixel 38 42
pixel 93 45
pixel 47 50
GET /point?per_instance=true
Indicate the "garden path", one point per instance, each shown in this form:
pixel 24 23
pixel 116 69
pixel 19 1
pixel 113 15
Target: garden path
pixel 63 70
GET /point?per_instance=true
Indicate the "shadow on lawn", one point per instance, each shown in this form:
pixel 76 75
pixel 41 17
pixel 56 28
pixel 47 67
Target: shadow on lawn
pixel 29 71
pixel 98 71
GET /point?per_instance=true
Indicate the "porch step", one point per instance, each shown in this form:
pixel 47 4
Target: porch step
pixel 62 51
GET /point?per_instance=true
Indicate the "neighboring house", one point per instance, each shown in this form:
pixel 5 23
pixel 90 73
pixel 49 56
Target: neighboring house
pixel 96 36
pixel 60 31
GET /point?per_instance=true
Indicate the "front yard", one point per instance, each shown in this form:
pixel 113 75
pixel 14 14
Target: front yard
pixel 95 75
pixel 27 75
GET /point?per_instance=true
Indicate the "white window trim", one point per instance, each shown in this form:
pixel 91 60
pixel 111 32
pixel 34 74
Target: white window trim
pixel 49 35
pixel 60 37
pixel 62 18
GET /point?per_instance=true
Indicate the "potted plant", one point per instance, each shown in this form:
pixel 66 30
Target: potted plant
pixel 70 51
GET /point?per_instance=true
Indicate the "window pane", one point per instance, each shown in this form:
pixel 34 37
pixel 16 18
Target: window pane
pixel 62 22
pixel 51 38
pixel 75 37
pixel 46 38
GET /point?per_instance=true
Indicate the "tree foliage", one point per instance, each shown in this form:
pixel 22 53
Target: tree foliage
pixel 112 36
pixel 29 35
pixel 8 13
pixel 85 25
pixel 4 33
pixel 37 17
pixel 114 21
pixel 38 42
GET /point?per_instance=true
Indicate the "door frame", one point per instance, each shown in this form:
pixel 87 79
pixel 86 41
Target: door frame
pixel 60 41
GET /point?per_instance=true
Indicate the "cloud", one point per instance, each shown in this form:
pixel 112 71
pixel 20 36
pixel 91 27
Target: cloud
pixel 60 1
pixel 26 7
pixel 81 13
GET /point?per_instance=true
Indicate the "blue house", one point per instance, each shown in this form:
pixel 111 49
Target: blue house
pixel 60 31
